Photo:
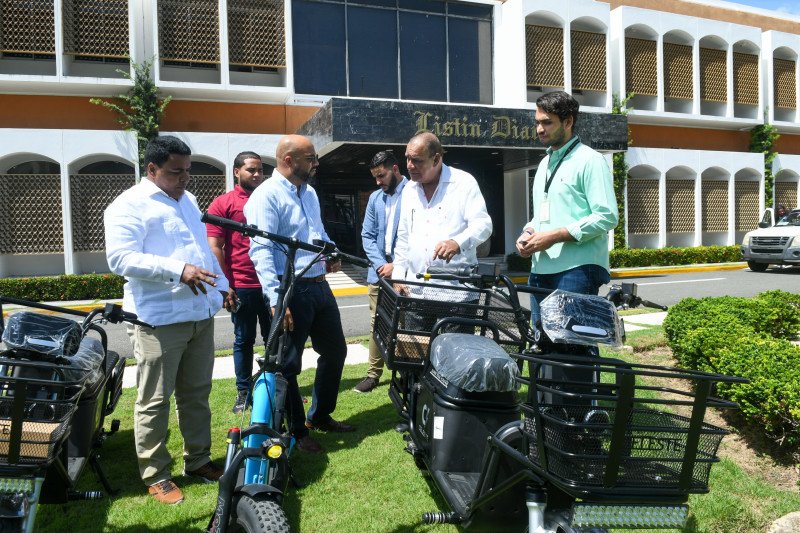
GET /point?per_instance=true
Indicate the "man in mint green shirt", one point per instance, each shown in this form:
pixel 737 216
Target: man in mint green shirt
pixel 574 207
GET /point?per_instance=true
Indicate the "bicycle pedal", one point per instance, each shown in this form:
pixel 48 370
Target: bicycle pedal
pixel 402 427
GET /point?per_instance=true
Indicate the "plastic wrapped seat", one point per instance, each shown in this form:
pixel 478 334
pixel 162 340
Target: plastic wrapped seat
pixel 473 363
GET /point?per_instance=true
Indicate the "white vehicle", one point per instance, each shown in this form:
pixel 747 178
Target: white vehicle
pixel 774 243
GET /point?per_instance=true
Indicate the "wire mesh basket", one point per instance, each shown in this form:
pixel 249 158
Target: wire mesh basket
pixel 404 322
pixel 606 427
pixel 36 407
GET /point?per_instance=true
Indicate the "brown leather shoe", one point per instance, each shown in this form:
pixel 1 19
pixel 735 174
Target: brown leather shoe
pixel 209 472
pixel 307 444
pixel 166 492
pixel 331 426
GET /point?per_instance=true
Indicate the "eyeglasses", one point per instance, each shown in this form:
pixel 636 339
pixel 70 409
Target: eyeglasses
pixel 311 158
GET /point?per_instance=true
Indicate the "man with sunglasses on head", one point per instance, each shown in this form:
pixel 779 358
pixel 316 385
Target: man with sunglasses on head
pixel 379 236
pixel 287 205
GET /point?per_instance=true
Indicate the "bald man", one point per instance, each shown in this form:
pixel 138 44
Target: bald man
pixel 443 215
pixel 287 205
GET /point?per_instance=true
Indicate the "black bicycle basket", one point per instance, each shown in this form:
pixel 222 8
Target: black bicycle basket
pixel 403 322
pixel 604 427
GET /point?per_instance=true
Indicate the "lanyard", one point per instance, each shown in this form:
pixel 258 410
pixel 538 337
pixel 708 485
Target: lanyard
pixel 558 165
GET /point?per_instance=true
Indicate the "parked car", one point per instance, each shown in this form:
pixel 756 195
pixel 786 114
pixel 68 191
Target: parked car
pixel 775 242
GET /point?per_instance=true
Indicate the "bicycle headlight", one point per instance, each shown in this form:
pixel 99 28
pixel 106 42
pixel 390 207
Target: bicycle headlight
pixel 14 485
pixel 274 451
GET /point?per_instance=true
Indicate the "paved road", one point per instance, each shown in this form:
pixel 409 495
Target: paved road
pixel 665 289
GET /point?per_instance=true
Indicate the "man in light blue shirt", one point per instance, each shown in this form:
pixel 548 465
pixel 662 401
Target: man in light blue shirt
pixel 379 237
pixel 574 207
pixel 287 205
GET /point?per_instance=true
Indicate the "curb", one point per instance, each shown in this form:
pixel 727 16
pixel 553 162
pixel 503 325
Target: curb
pixel 516 277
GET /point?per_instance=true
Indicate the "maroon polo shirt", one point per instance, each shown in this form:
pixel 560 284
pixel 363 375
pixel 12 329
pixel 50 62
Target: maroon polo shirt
pixel 240 270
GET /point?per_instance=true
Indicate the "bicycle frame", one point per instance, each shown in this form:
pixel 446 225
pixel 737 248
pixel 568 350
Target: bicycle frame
pixel 264 447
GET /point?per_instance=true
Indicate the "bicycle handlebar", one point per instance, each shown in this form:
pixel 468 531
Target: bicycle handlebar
pixel 110 312
pixel 250 230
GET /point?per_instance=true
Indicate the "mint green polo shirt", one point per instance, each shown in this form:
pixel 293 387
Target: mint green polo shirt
pixel 582 199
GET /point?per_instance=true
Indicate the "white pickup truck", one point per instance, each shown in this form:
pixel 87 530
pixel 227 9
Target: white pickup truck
pixel 774 243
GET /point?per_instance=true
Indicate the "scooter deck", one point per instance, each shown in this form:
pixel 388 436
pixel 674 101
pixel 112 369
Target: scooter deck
pixel 458 488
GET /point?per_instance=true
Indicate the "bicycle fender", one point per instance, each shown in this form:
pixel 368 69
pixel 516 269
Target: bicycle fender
pixel 257 489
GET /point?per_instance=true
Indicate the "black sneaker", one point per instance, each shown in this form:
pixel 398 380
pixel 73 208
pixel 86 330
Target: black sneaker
pixel 366 385
pixel 241 401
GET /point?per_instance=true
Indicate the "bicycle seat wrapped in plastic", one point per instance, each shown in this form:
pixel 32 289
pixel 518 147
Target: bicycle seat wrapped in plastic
pixel 574 318
pixel 47 336
pixel 473 363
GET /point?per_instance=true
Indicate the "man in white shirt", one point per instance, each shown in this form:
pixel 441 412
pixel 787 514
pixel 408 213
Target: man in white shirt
pixel 155 239
pixel 443 216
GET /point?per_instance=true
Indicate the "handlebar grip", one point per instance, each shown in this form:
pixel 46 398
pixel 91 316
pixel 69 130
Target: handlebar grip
pixel 330 248
pixel 461 270
pixel 648 303
pixel 358 261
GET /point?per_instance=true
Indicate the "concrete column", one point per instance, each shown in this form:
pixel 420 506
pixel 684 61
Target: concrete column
pixel 731 99
pixel 662 210
pixel 660 73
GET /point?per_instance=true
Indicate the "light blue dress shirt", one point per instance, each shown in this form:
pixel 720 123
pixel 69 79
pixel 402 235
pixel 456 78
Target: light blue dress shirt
pixel 279 207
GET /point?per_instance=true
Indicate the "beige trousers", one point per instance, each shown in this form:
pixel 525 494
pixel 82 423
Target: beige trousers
pixel 375 359
pixel 175 358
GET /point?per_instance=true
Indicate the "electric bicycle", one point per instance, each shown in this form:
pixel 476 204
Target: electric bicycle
pixel 580 443
pixel 57 386
pixel 257 459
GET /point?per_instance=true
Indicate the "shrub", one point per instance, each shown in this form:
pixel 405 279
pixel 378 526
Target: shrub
pixel 65 287
pixel 644 257
pixel 748 338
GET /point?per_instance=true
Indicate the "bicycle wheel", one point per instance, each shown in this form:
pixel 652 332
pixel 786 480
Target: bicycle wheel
pixel 259 516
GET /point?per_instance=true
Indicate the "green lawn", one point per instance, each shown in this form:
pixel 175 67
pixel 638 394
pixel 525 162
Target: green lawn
pixel 365 483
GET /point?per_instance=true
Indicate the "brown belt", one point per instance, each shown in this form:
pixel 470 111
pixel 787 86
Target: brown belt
pixel 315 279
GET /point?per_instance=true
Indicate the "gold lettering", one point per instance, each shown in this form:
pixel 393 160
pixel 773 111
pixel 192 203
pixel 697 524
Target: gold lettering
pixel 422 121
pixel 475 130
pixel 501 127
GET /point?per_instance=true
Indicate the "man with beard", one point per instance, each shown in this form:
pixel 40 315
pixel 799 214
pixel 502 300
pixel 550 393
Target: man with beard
pixel 287 205
pixel 574 207
pixel 379 236
pixel 232 251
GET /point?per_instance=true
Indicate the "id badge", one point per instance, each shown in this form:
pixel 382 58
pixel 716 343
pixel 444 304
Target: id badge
pixel 544 211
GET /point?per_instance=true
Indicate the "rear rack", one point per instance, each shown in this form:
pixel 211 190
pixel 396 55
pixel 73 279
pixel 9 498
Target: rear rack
pixel 36 406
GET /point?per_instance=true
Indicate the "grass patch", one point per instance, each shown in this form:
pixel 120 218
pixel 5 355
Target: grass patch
pixel 365 481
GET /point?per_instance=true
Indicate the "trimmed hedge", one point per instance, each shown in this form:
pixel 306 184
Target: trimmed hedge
pixel 65 287
pixel 644 257
pixel 748 338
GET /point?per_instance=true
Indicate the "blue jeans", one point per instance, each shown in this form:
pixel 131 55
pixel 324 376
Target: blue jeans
pixel 253 311
pixel 315 315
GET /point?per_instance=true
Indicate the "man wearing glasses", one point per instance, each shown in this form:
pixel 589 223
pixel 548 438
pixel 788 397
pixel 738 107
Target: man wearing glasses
pixel 443 216
pixel 287 205
pixel 379 236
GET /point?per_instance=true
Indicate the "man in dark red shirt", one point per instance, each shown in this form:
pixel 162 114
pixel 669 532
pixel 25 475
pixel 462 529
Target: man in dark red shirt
pixel 232 251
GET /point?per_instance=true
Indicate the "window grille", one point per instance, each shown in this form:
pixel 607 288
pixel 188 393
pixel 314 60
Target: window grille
pixel 745 78
pixel 641 73
pixel 256 36
pixel 715 205
pixel 206 187
pixel 27 27
pixel 30 214
pixel 188 31
pixel 545 56
pixel 680 205
pixel 746 198
pixel 96 28
pixel 90 194
pixel 588 61
pixel 678 71
pixel 642 206
pixel 713 75
pixel 786 193
pixel 785 83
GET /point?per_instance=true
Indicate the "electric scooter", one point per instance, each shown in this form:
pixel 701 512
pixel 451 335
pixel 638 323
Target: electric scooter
pixel 257 460
pixel 57 386
pixel 580 443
